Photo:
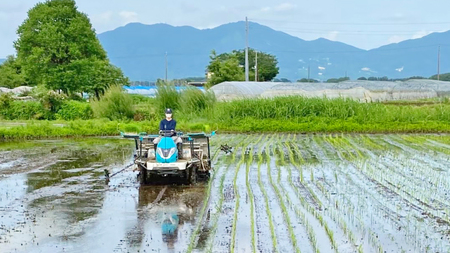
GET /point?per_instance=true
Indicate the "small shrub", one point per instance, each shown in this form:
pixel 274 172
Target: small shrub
pixel 5 100
pixel 51 100
pixel 72 110
pixel 115 104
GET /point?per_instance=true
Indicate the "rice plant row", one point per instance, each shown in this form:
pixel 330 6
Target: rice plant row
pixel 323 193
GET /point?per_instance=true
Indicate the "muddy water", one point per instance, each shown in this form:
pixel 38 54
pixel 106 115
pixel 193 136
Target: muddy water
pixel 54 198
pixel 288 193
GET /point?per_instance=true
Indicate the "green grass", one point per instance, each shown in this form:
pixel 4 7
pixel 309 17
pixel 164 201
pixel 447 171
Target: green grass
pixel 287 114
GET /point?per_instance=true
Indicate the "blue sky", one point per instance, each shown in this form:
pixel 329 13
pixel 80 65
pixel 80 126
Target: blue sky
pixel 365 24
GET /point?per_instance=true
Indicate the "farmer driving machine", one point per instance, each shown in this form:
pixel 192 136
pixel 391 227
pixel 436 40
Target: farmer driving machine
pixel 189 160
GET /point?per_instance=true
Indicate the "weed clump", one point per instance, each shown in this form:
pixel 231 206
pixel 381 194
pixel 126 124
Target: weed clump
pixel 115 104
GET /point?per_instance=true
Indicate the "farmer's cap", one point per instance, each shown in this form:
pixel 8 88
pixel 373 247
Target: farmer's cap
pixel 168 111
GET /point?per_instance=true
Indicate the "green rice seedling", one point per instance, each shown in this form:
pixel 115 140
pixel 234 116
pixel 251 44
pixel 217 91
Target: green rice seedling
pixel 194 235
pixel 236 194
pixel 239 143
pixel 250 194
pixel 282 205
pixel 266 198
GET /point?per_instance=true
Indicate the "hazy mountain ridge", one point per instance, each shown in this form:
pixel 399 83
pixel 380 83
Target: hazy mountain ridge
pixel 140 51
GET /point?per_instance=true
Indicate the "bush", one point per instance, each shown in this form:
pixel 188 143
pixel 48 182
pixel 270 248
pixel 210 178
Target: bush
pixel 51 100
pixel 5 100
pixel 26 110
pixel 115 104
pixel 72 110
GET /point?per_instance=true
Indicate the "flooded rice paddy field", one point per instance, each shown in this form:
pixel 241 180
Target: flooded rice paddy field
pixel 274 193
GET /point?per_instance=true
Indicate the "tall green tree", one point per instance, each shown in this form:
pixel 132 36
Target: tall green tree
pixel 224 68
pixel 58 47
pixel 267 64
pixel 230 66
pixel 11 75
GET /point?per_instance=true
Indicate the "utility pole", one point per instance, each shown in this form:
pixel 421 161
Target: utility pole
pixel 246 50
pixel 166 68
pixel 439 62
pixel 309 70
pixel 256 66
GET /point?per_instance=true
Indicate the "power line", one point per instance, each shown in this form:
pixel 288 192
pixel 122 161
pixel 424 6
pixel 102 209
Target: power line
pixel 166 67
pixel 246 50
pixel 352 23
pixel 349 32
pixel 286 51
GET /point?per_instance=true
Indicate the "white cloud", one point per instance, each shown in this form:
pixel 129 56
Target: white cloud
pixel 103 18
pixel 285 7
pixel 321 68
pixel 129 16
pixel 332 35
pixel 265 9
pixel 365 69
pixel 400 69
pixel 420 34
pixel 320 74
pixel 396 39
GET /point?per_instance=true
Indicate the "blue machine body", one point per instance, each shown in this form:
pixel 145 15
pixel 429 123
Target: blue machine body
pixel 166 151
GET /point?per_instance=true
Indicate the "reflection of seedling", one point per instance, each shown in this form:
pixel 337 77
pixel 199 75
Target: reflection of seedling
pixel 227 149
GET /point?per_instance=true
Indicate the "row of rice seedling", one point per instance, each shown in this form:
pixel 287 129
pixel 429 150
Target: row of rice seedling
pixel 311 232
pixel 242 147
pixel 286 216
pixel 250 193
pixel 303 201
pixel 236 197
pixel 245 236
pixel 411 226
pixel 338 193
pixel 380 206
pixel 406 177
pixel 219 204
pixel 266 198
pixel 335 208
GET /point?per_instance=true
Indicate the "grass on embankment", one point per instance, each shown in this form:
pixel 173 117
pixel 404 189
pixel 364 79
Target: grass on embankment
pixel 288 114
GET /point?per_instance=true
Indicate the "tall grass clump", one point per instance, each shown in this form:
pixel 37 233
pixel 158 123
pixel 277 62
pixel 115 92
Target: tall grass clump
pixel 193 100
pixel 115 104
pixel 304 109
pixel 167 96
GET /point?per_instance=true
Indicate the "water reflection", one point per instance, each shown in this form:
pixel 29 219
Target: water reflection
pixel 172 210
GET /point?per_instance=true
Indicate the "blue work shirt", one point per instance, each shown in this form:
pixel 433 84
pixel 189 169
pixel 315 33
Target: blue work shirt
pixel 167 125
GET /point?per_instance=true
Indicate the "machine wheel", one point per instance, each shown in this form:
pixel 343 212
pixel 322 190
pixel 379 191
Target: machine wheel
pixel 143 175
pixel 192 176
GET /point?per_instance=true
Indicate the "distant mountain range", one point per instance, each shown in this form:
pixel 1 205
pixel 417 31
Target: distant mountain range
pixel 140 51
